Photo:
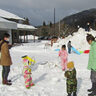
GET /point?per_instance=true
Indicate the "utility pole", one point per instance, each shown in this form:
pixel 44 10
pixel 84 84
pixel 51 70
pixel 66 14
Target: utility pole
pixel 59 28
pixel 54 22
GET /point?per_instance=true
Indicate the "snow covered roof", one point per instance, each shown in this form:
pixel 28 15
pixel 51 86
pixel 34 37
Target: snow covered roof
pixel 5 24
pixel 8 15
pixel 25 27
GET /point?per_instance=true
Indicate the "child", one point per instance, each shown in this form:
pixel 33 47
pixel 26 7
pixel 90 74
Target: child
pixel 69 47
pixel 27 71
pixel 63 55
pixel 70 74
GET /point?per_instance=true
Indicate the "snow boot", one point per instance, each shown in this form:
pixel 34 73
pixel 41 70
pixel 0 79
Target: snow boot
pixel 90 90
pixel 69 94
pixel 9 81
pixel 32 84
pixel 5 82
pixel 93 91
pixel 74 94
pixel 92 94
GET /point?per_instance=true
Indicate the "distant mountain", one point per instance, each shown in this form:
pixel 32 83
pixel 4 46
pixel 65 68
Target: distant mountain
pixel 81 18
pixel 70 24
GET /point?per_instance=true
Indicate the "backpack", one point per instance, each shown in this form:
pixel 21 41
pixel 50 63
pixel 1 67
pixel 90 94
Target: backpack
pixel 0 47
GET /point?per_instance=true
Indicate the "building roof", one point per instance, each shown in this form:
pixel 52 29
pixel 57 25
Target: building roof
pixel 5 24
pixel 8 15
pixel 25 27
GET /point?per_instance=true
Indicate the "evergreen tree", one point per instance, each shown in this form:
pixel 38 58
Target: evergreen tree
pixel 26 21
pixel 50 24
pixel 44 29
pixel 44 23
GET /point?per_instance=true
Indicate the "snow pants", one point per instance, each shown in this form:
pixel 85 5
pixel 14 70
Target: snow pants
pixel 69 50
pixel 5 72
pixel 63 64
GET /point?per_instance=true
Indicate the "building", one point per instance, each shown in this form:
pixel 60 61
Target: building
pixel 10 23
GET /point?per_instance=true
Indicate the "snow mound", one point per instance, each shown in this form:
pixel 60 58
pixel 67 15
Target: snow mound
pixel 78 40
pixel 55 80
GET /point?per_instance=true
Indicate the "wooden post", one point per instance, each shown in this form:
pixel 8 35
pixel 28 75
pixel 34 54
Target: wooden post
pixel 24 36
pixel 10 33
pixel 18 38
pixel 34 36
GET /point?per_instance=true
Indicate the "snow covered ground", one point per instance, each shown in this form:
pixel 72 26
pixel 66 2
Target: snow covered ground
pixel 49 79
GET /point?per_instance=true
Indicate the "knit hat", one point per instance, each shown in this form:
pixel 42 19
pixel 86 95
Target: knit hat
pixel 70 65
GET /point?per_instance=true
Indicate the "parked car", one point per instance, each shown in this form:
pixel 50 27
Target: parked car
pixel 45 38
pixel 41 38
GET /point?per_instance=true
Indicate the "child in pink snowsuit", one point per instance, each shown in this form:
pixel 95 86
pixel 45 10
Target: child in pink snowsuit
pixel 64 57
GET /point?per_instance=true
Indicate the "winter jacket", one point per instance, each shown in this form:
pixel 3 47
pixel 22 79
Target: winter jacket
pixel 92 57
pixel 64 58
pixel 71 80
pixel 71 76
pixel 5 55
pixel 69 45
pixel 63 54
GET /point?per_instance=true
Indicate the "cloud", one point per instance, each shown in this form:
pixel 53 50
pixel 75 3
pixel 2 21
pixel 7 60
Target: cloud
pixel 43 10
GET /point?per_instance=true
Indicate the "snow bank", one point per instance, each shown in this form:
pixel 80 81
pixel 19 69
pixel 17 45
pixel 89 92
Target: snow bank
pixel 30 37
pixel 78 40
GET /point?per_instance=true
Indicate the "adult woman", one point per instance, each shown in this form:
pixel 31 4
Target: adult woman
pixel 92 63
pixel 5 60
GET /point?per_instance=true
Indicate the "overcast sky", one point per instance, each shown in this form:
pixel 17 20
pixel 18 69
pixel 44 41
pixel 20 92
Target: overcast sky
pixel 43 10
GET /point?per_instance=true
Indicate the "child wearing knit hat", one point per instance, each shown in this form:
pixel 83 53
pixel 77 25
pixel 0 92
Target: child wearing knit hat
pixel 71 82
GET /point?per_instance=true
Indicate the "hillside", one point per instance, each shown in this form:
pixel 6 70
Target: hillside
pixel 81 18
pixel 70 24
